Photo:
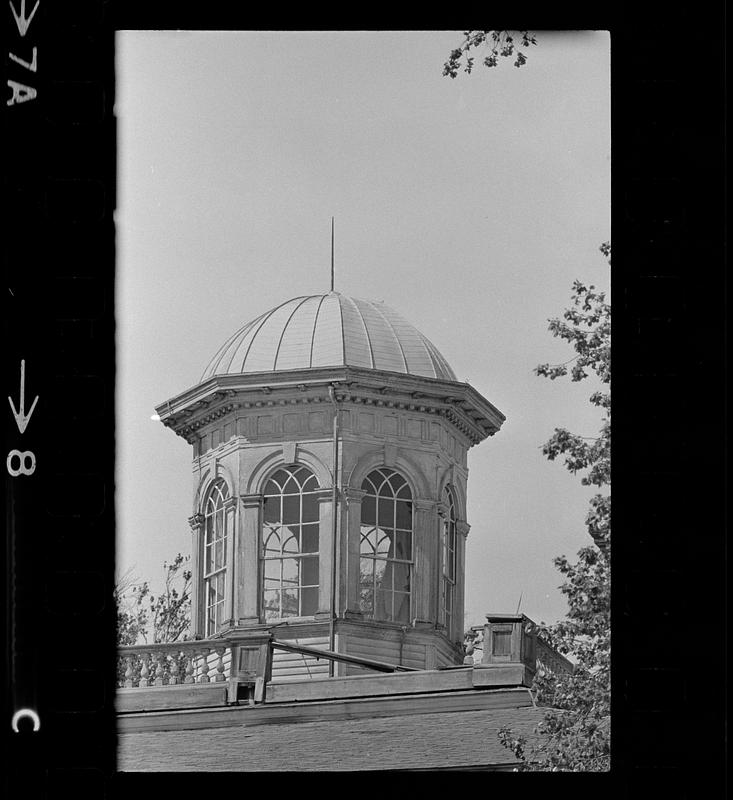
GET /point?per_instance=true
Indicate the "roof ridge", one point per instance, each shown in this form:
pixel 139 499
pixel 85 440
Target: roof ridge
pixel 315 325
pixel 353 300
pixel 437 356
pixel 220 352
pixel 285 327
pixel 266 316
pixel 394 333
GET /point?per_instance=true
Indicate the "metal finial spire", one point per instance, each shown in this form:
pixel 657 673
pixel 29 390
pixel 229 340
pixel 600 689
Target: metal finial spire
pixel 332 273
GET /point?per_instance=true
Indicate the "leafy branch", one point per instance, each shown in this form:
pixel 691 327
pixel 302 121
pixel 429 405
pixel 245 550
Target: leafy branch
pixel 574 734
pixel 496 44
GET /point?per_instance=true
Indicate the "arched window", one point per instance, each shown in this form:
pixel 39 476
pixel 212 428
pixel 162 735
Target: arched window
pixel 290 544
pixel 215 556
pixel 386 546
pixel 448 580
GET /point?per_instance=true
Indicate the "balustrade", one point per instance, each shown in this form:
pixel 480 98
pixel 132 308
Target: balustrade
pixel 142 666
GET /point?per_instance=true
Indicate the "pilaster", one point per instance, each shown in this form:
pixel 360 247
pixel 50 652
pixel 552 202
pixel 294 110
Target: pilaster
pixel 326 554
pixel 196 522
pixel 247 561
pixel 462 529
pixel 230 511
pixel 353 499
pixel 425 551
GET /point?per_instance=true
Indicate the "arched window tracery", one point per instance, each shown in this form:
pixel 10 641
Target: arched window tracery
pixel 448 560
pixel 215 556
pixel 386 549
pixel 289 550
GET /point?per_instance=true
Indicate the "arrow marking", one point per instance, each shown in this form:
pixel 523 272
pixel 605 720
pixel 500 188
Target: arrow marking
pixel 21 419
pixel 21 20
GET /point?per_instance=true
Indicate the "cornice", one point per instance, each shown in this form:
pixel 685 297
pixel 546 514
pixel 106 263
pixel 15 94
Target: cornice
pixel 458 403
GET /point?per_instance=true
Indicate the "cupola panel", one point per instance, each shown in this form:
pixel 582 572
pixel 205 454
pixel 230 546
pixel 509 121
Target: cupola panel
pixel 385 345
pixel 358 350
pixel 297 337
pixel 328 344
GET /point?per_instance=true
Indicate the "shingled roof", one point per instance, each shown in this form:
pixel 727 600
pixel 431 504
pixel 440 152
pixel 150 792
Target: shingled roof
pixel 415 731
pixel 445 740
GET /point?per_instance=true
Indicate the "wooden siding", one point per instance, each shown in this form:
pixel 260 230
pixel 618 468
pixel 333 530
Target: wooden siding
pixel 293 667
pixel 390 651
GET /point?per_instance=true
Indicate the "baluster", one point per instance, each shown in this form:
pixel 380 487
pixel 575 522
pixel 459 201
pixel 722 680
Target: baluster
pixel 128 671
pixel 159 679
pixel 220 665
pixel 144 671
pixel 204 677
pixel 190 655
pixel 173 677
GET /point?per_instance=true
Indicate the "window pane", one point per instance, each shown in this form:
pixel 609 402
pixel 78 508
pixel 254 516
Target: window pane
pixel 309 542
pixel 383 605
pixel 290 603
pixel 310 484
pixel 219 554
pixel 368 536
pixel 272 509
pixel 309 600
pixel 309 571
pixel 384 543
pixel 367 485
pixel 291 509
pixel 403 545
pixel 369 510
pixel 290 539
pixel 404 493
pixel 385 512
pixel 272 569
pixel 290 572
pixel 379 572
pixel 366 571
pixel 273 583
pixel 272 604
pixel 401 577
pixel 401 607
pixel 272 542
pixel 366 601
pixel 397 482
pixel 208 560
pixel 404 515
pixel 310 508
pixel 276 482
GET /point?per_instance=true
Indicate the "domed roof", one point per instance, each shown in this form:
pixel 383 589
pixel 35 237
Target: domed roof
pixel 326 330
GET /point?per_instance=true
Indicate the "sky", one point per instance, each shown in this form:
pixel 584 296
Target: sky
pixel 469 205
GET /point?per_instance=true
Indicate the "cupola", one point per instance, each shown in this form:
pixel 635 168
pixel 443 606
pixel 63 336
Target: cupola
pixel 330 442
